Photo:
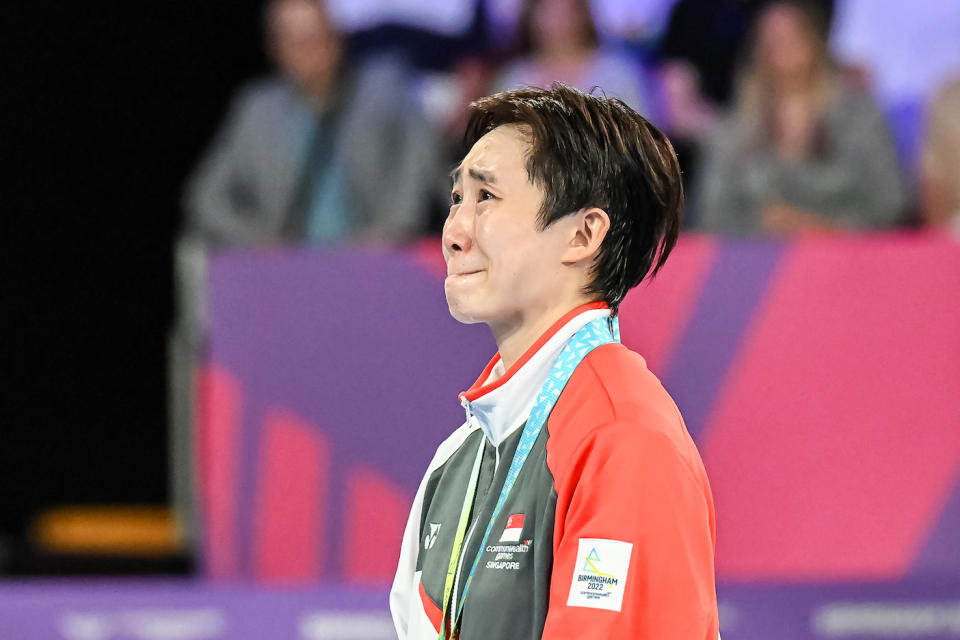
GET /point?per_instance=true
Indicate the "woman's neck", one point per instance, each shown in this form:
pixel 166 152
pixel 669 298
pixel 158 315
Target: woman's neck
pixel 514 339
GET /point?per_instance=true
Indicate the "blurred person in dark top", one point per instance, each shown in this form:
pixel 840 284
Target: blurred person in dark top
pixel 702 41
pixel 305 156
pixel 698 56
pixel 940 166
pixel 707 38
pixel 558 42
pixel 800 151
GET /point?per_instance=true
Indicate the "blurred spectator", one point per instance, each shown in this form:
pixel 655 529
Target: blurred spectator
pixel 800 151
pixel 901 52
pixel 940 171
pixel 702 41
pixel 635 21
pixel 698 56
pixel 325 151
pixel 558 41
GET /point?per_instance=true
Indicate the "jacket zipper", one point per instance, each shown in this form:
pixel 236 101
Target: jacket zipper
pixel 466 543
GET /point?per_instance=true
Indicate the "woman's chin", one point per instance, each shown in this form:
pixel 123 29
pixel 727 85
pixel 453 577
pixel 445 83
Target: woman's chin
pixel 462 313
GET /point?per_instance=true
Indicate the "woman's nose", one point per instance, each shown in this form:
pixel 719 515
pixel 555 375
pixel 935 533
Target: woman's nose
pixel 457 231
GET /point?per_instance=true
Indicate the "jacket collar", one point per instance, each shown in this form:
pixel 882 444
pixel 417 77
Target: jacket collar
pixel 500 401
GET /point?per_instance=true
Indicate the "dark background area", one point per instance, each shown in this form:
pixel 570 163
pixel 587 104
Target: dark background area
pixel 106 113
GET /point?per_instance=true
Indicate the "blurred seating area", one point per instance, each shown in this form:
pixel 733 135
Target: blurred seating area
pixel 785 116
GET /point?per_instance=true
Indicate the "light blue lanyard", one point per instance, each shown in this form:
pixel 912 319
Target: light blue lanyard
pixel 595 334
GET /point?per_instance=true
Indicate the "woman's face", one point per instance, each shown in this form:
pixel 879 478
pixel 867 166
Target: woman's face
pixel 555 21
pixel 785 45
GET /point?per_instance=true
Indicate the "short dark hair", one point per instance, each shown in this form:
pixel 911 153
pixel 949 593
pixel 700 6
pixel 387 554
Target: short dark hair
pixel 592 151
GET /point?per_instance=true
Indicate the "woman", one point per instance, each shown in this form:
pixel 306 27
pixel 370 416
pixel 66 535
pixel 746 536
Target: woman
pixel 800 152
pixel 558 41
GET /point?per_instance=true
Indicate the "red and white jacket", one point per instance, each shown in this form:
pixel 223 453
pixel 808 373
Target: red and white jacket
pixel 609 530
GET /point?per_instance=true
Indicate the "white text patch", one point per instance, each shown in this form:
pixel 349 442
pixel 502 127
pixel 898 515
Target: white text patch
pixel 600 574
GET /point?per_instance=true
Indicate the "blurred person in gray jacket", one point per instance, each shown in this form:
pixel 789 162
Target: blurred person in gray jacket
pixel 800 151
pixel 325 152
pixel 306 156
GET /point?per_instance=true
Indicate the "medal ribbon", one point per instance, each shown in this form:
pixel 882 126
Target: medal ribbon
pixel 461 531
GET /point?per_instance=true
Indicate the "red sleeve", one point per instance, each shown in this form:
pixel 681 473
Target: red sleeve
pixel 627 485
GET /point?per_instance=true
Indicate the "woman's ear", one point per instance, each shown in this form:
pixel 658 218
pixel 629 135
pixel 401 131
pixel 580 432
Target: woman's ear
pixel 587 232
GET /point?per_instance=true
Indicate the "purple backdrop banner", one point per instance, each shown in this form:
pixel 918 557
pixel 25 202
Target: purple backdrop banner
pixel 188 610
pixel 803 369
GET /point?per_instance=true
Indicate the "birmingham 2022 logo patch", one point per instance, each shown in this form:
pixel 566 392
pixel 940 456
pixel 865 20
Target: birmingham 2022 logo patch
pixel 600 574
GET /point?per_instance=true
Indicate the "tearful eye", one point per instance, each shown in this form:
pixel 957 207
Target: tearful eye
pixel 486 195
pixel 455 198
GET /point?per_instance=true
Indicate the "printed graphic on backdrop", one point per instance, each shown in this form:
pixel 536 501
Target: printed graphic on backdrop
pixel 818 377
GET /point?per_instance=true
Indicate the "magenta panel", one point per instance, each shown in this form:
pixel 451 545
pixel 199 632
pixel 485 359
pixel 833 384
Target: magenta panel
pixel 219 406
pixel 291 495
pixel 654 315
pixel 836 440
pixel 377 511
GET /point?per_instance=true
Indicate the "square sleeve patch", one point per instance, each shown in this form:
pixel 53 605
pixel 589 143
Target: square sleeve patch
pixel 600 574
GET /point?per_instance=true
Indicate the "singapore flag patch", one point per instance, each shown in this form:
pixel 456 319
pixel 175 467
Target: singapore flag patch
pixel 600 574
pixel 511 532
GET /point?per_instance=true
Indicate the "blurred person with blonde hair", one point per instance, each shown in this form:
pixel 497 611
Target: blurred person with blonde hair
pixel 940 169
pixel 800 151
pixel 558 41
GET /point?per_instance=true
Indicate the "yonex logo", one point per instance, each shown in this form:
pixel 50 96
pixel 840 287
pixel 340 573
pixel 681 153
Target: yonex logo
pixel 431 538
